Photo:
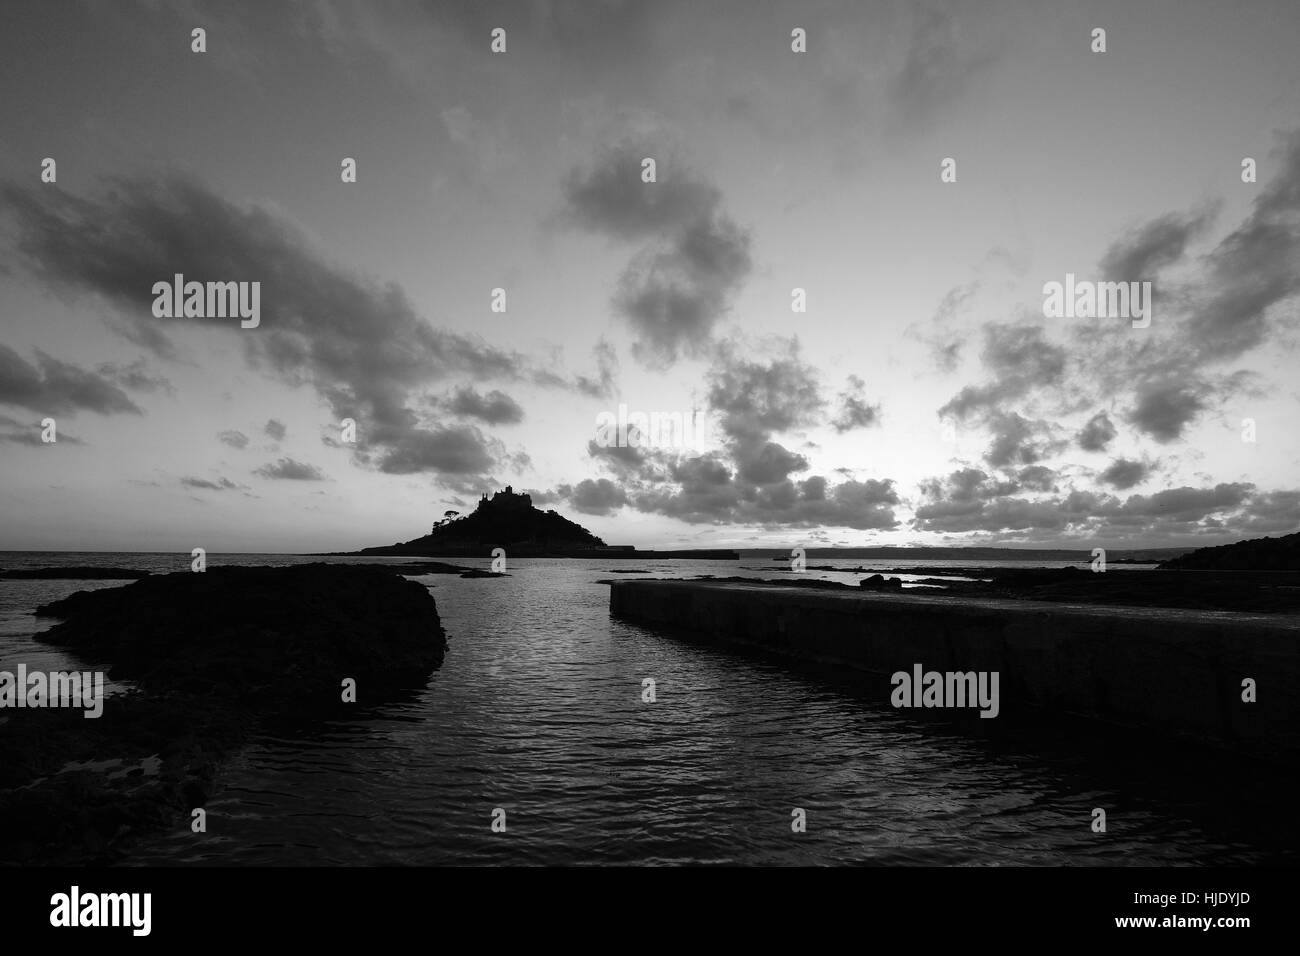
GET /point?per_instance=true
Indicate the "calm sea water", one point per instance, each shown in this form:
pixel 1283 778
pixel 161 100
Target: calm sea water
pixel 537 710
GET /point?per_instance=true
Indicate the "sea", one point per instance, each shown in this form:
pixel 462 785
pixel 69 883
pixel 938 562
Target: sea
pixel 536 718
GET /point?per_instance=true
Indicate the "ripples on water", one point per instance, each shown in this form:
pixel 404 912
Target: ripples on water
pixel 537 710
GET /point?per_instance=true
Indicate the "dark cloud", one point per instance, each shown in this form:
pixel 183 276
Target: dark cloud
pixel 1037 478
pixel 1020 441
pixel 361 345
pixel 679 284
pixel 51 386
pixel 275 429
pixel 600 497
pixel 1253 268
pixel 1124 473
pixel 757 398
pixel 233 438
pixel 627 459
pixel 1271 513
pixel 220 484
pixel 1161 242
pixel 1097 434
pixel 290 470
pixel 764 463
pixel 1236 303
pixel 1020 361
pixel 1164 409
pixel 855 412
pixel 459 450
pixel 495 408
pixel 610 198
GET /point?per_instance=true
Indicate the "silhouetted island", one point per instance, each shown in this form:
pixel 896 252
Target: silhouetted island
pixel 508 520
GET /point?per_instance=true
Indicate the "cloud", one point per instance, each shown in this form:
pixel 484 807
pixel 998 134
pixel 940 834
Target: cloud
pixel 1233 303
pixel 764 463
pixel 1219 306
pixel 752 399
pixel 599 497
pixel 361 345
pixel 1037 478
pixel 457 451
pixel 51 386
pixel 1158 243
pixel 1124 473
pixel 275 429
pixel 692 259
pixel 1020 360
pixel 494 408
pixel 1253 268
pixel 854 410
pixel 1020 441
pixel 221 484
pixel 1097 434
pixel 289 470
pixel 610 198
pixel 1164 409
pixel 233 438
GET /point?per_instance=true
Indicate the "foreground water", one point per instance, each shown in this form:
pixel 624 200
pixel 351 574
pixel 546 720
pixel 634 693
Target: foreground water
pixel 538 711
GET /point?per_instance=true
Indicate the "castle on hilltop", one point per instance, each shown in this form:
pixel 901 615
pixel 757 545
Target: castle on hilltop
pixel 506 499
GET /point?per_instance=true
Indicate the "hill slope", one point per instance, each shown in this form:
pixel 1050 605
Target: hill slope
pixel 1258 554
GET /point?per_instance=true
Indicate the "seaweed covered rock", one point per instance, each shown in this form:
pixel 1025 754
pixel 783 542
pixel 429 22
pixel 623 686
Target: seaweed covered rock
pixel 291 633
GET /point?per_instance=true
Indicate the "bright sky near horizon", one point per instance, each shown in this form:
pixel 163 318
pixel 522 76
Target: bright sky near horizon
pixel 922 397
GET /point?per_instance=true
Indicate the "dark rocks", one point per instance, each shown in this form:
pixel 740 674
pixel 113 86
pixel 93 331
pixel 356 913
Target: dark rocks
pixel 879 582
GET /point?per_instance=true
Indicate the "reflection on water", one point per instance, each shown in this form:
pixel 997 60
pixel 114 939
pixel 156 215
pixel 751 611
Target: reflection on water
pixel 538 711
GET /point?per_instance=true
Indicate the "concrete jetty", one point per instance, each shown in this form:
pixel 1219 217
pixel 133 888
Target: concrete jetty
pixel 1166 672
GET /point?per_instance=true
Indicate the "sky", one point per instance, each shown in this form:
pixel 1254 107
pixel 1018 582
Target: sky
pixel 501 274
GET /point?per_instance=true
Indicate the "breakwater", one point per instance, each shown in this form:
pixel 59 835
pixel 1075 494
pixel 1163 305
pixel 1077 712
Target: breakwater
pixel 1166 672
